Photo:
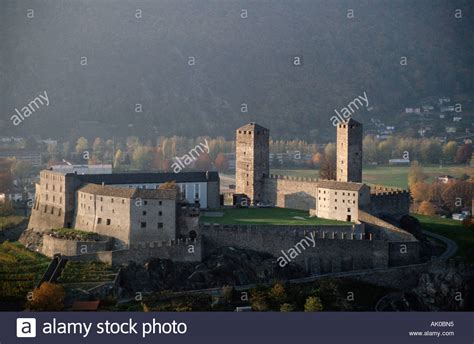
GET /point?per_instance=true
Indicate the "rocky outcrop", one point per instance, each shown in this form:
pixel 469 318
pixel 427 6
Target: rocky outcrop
pixel 226 266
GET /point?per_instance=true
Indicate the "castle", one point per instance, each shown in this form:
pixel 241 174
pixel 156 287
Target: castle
pixel 137 220
pixel 344 199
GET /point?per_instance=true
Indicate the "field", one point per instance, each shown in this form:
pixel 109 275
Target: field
pixel 85 275
pixel 20 270
pixel 267 216
pixel 453 230
pixel 10 221
pixel 387 175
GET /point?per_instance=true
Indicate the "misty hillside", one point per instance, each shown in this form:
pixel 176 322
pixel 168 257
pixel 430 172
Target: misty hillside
pixel 238 60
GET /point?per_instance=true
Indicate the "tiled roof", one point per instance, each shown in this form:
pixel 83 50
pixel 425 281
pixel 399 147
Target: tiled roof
pixel 105 190
pixel 144 178
pixel 252 126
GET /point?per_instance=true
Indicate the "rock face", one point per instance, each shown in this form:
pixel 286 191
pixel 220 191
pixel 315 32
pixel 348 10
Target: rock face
pixel 32 240
pixel 446 290
pixel 226 266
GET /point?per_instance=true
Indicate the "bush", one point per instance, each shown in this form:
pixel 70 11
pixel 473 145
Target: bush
pixel 313 304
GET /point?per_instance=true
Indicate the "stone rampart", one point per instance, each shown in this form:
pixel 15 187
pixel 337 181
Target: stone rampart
pixel 180 250
pixel 334 250
pixel 52 245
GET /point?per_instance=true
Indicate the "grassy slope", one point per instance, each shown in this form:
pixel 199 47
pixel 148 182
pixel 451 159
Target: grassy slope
pixel 20 270
pixel 10 221
pixel 388 175
pixel 453 230
pixel 267 216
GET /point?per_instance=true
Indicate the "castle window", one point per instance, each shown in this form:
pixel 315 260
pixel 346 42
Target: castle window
pixel 112 200
pixel 348 210
pixel 343 193
pixel 343 201
pixel 319 198
pixel 54 187
pixel 52 210
pixel 354 202
pixel 160 224
pixel 45 208
pixel 145 202
pixel 335 208
pixel 101 208
pixel 336 200
pixel 60 189
pixel 142 224
pixel 161 202
pixel 144 213
pixel 46 196
pixel 123 201
pixel 99 220
pixel 108 222
pixel 59 212
pixel 46 186
pixel 90 198
pixel 54 198
pixel 335 193
pixel 60 200
pixel 353 194
pixel 160 213
pixel 101 199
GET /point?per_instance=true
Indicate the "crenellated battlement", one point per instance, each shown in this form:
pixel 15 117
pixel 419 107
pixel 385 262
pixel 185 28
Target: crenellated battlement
pixel 165 243
pixel 260 232
pixel 387 190
pixel 293 178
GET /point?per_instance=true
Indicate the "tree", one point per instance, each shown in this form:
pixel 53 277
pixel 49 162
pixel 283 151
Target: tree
pixel 20 169
pixel 98 149
pixel 203 162
pixel 221 163
pixel 81 145
pixel 426 208
pixel 449 151
pixel 118 159
pixel 415 173
pixel 316 159
pixel 48 297
pixel 369 145
pixel 286 307
pixel 259 301
pixel 420 191
pixel 278 292
pixel 313 304
pixel 464 153
pixel 328 169
pixel 141 158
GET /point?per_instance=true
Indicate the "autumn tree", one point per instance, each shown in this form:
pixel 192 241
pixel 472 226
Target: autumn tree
pixel 416 174
pixel 168 185
pixel 464 153
pixel 203 162
pixel 81 145
pixel 313 304
pixel 449 151
pixel 420 191
pixel 286 307
pixel 48 297
pixel 221 163
pixel 426 208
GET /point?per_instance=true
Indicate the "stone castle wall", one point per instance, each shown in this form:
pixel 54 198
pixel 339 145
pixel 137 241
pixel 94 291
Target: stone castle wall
pixel 291 192
pixel 337 251
pixel 176 250
pixel 388 201
pixel 52 245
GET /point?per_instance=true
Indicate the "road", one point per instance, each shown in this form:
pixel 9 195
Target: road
pixel 451 246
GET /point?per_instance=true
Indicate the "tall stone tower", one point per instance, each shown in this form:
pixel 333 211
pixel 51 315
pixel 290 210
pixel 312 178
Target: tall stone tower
pixel 251 160
pixel 349 151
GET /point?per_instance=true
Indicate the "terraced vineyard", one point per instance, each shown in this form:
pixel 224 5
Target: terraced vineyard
pixel 86 275
pixel 20 271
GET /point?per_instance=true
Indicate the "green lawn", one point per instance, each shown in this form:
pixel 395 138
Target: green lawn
pixel 388 175
pixel 20 270
pixel 267 216
pixel 453 230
